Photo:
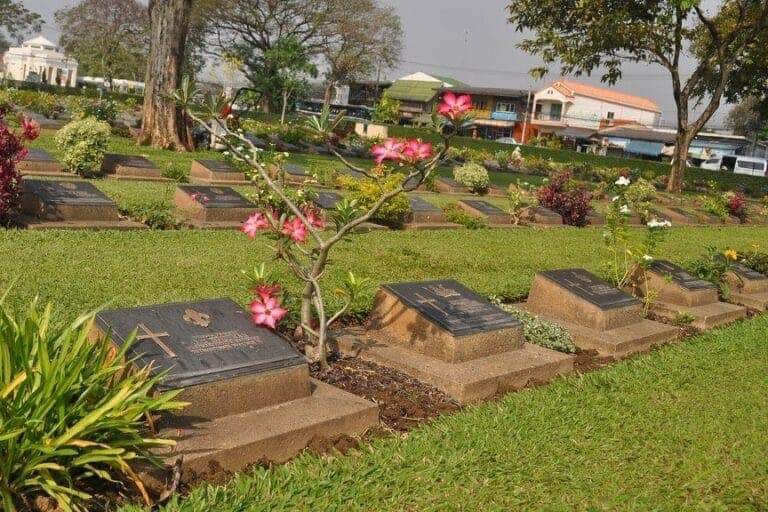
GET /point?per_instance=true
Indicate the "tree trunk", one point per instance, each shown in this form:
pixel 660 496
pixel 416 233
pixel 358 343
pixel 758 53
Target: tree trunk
pixel 679 160
pixel 328 94
pixel 163 125
pixel 285 106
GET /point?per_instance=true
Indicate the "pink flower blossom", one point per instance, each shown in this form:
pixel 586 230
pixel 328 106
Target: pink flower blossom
pixel 416 150
pixel 267 312
pixel 254 223
pixel 199 197
pixel 392 149
pixel 266 292
pixel 295 230
pixel 453 106
pixel 31 128
pixel 314 220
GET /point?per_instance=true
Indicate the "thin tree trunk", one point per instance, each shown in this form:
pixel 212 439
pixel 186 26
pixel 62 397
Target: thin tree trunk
pixel 285 106
pixel 328 94
pixel 163 124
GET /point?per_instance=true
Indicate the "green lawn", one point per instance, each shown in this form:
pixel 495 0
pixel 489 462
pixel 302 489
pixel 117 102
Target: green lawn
pixel 684 428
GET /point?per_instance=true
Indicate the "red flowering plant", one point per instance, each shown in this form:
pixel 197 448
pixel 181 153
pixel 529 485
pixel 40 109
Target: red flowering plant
pixel 568 197
pixel 737 206
pixel 302 238
pixel 12 151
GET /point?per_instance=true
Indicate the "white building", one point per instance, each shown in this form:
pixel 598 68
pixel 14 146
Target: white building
pixel 570 108
pixel 42 58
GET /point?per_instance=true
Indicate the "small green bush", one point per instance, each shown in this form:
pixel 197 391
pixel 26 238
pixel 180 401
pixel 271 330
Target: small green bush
pixel 639 196
pixel 366 191
pixel 542 333
pixel 456 214
pixel 84 144
pixel 70 413
pixel 473 176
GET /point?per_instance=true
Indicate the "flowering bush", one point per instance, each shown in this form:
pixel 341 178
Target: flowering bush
pixel 84 144
pixel 568 197
pixel 638 196
pixel 366 191
pixel 755 259
pixel 103 110
pixel 713 266
pixel 737 206
pixel 12 151
pixel 299 236
pixel 715 205
pixel 473 176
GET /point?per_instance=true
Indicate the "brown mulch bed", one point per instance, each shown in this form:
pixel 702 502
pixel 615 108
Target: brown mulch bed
pixel 403 401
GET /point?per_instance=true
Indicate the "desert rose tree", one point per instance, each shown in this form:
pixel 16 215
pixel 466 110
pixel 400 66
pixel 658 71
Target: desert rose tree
pixel 12 151
pixel 301 239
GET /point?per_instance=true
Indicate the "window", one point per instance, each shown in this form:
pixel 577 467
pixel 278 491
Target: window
pixel 480 104
pixel 610 116
pixel 505 106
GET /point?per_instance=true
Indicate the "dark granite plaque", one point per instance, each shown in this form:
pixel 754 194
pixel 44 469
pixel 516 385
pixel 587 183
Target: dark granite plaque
pixel 219 166
pixel 419 204
pixel 295 170
pixel 683 213
pixel 40 155
pixel 544 212
pixel 679 276
pixel 747 273
pixel 129 161
pixel 199 342
pixel 452 306
pixel 450 182
pixel 483 207
pixel 216 197
pixel 327 200
pixel 76 193
pixel 591 288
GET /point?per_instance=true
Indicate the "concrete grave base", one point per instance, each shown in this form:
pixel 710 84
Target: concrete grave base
pixel 498 219
pixel 705 316
pixel 119 167
pixel 275 433
pixel 203 181
pixel 541 215
pixel 470 381
pixel 29 222
pixel 431 225
pixel 618 342
pixel 758 301
pixel 203 173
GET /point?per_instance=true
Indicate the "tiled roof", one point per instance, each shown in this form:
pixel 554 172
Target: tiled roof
pixel 488 91
pixel 569 88
pixel 637 132
pixel 412 90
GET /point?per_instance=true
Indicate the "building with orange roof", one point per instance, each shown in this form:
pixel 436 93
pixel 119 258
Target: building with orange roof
pixel 568 108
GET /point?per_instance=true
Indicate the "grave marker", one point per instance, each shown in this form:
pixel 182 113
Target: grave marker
pixel 210 204
pixel 130 167
pixel 478 207
pixel 216 172
pixel 448 185
pixel 424 212
pixel 748 287
pixel 41 163
pixel 328 200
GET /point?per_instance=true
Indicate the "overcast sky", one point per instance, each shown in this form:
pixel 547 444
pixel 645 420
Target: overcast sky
pixel 471 41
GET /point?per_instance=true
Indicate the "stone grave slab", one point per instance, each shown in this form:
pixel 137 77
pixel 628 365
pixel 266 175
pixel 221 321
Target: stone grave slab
pixel 130 167
pixel 677 214
pixel 448 185
pixel 40 162
pixel 541 215
pixel 69 204
pixel 216 172
pixel 295 173
pixel 233 373
pixel 328 200
pixel 748 287
pixel 423 212
pixel 443 333
pixel 599 316
pixel 677 291
pixel 479 207
pixel 210 205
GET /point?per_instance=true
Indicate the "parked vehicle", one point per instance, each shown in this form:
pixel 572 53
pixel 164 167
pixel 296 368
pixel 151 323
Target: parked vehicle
pixel 507 140
pixel 738 165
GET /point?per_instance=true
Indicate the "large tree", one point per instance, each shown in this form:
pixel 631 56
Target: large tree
pixel 361 37
pixel 588 35
pixel 16 21
pixel 749 118
pixel 249 30
pixel 163 123
pixel 108 38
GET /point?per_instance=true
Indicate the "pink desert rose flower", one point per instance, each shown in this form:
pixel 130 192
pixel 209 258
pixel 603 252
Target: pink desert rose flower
pixel 267 312
pixel 31 128
pixel 314 220
pixel 392 149
pixel 255 222
pixel 295 230
pixel 417 150
pixel 266 292
pixel 453 106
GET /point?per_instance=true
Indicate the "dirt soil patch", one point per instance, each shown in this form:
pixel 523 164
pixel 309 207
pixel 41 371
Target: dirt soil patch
pixel 403 401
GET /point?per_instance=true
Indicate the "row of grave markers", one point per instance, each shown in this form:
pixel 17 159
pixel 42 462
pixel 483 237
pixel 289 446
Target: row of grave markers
pixel 251 396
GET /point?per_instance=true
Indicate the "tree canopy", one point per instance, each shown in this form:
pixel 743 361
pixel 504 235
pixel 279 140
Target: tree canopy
pixel 585 36
pixel 16 21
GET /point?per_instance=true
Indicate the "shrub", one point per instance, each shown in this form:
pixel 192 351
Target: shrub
pixel 473 176
pixel 639 196
pixel 737 206
pixel 84 144
pixel 503 157
pixel 12 151
pixel 713 267
pixel 43 103
pixel 568 197
pixel 715 205
pixel 542 333
pixel 755 259
pixel 366 191
pixel 70 411
pixel 103 110
pixel 386 111
pixel 456 214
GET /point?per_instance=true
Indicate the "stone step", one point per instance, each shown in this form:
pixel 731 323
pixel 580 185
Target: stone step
pixel 758 301
pixel 707 316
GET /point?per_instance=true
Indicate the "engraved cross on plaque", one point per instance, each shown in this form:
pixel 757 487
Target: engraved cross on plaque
pixel 149 335
pixel 430 302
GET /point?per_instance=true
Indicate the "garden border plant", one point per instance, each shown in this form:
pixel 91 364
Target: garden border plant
pixel 297 234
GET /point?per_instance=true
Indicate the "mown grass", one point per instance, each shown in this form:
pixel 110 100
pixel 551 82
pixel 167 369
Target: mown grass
pixel 79 270
pixel 681 429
